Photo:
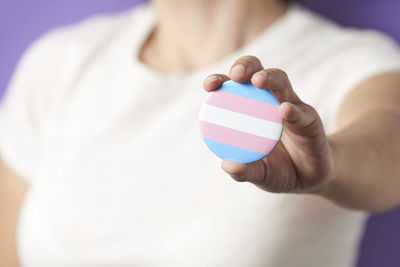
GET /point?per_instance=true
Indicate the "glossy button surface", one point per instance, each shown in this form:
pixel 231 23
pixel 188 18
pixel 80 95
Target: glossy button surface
pixel 241 123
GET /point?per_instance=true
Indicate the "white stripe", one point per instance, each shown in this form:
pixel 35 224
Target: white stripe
pixel 241 122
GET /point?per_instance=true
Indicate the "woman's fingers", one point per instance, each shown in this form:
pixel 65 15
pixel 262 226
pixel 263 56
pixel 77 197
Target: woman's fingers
pixel 303 131
pixel 278 82
pixel 214 81
pixel 298 115
pixel 244 68
pixel 301 119
pixel 254 172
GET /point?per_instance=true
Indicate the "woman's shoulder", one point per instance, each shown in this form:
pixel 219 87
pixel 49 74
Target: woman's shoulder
pixel 91 32
pixel 59 53
pixel 55 60
pixel 326 36
pixel 330 60
pixel 325 49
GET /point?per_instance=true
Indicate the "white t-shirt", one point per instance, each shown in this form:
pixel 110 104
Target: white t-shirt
pixel 120 175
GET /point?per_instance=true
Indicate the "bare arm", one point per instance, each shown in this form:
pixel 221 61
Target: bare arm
pixel 367 146
pixel 12 191
pixel 358 167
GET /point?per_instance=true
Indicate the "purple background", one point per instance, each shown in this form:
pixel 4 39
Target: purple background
pixel 22 21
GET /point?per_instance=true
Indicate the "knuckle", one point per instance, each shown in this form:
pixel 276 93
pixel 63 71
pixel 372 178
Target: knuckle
pixel 277 71
pixel 280 75
pixel 309 109
pixel 284 74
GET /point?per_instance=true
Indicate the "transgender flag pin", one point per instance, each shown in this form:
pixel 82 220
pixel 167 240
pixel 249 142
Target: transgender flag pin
pixel 241 123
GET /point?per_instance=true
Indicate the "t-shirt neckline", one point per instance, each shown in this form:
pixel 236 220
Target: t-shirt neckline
pixel 270 35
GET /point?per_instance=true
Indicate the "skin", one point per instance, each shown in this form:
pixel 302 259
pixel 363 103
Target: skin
pixel 216 28
pixel 349 167
pixel 343 167
pixel 12 192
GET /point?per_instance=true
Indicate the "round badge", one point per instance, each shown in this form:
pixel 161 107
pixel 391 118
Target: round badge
pixel 241 123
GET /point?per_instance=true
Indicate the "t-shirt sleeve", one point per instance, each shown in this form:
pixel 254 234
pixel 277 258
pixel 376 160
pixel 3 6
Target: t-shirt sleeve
pixel 42 86
pixel 365 55
pixel 27 104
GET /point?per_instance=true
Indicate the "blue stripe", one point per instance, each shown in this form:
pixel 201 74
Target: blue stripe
pixel 233 153
pixel 250 91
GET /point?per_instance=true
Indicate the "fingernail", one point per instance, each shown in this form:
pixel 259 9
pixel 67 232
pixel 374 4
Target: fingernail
pixel 263 73
pixel 238 69
pixel 259 79
pixel 212 78
pixel 237 178
pixel 260 75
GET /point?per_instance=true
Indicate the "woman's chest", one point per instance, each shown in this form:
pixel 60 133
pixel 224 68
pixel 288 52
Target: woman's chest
pixel 136 196
pixel 125 181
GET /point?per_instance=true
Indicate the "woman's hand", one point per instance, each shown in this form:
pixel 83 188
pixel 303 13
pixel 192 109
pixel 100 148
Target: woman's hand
pixel 302 161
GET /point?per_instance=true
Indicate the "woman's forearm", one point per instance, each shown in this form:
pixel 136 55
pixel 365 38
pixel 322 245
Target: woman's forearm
pixel 367 162
pixel 358 167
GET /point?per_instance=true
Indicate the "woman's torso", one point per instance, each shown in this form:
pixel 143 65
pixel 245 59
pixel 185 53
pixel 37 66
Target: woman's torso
pixel 125 179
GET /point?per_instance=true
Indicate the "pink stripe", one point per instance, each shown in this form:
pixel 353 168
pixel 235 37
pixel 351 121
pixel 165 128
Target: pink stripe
pixel 236 138
pixel 245 105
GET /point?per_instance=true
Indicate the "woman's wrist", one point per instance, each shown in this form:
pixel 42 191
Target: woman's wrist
pixel 333 189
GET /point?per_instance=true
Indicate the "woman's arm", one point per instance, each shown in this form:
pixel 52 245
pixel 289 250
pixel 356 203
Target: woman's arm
pixel 357 167
pixel 12 191
pixel 367 146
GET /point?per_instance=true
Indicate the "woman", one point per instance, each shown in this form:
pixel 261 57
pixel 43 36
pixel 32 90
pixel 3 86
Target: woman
pixel 99 140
